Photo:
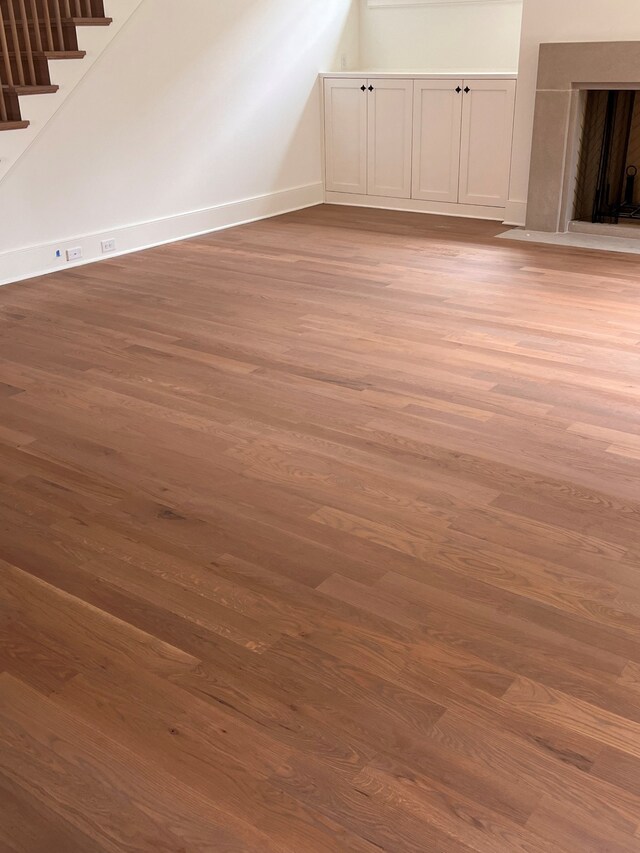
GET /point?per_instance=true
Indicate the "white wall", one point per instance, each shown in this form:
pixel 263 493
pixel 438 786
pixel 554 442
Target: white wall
pixel 196 107
pixel 478 35
pixel 558 21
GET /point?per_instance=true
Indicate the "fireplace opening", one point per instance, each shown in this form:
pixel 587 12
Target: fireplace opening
pixel 608 177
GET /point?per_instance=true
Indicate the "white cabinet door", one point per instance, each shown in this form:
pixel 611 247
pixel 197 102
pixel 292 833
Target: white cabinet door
pixel 436 139
pixel 487 135
pixel 345 105
pixel 390 137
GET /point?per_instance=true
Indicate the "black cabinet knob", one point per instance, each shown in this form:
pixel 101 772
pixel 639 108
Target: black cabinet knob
pixel 458 90
pixel 371 88
pixel 466 90
pixel 364 88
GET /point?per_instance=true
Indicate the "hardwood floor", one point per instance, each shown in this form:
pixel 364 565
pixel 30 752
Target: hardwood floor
pixel 320 535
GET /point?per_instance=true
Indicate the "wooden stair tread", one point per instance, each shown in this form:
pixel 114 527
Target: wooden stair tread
pixel 30 90
pixel 89 22
pixel 64 54
pixel 13 125
pixel 23 62
pixel 53 54
pixel 71 22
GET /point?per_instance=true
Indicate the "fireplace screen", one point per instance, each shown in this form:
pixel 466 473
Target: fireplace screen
pixel 608 180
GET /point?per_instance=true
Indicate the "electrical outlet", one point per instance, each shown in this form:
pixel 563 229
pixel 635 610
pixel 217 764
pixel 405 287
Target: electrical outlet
pixel 343 62
pixel 74 254
pixel 108 246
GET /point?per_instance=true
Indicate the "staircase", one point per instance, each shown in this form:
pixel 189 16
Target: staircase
pixel 33 32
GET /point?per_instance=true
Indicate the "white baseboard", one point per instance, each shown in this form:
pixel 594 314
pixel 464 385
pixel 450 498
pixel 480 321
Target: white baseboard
pixel 467 211
pixel 32 261
pixel 515 213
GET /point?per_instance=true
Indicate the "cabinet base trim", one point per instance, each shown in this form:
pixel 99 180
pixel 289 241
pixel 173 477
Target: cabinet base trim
pixel 467 211
pixel 515 213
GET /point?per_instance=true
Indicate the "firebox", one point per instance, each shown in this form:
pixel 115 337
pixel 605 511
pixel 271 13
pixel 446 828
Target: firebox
pixel 608 180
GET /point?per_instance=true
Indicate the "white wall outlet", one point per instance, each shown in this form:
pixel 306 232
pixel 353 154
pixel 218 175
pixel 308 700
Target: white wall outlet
pixel 74 254
pixel 108 246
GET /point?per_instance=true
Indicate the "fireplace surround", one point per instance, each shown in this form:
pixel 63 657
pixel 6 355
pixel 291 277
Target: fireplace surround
pixel 566 73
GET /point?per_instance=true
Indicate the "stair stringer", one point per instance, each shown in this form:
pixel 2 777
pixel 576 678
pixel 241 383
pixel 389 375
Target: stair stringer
pixel 68 74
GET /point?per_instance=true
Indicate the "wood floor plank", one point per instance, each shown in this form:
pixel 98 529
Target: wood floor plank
pixel 28 824
pixel 57 617
pixel 185 736
pixel 614 731
pixel 131 804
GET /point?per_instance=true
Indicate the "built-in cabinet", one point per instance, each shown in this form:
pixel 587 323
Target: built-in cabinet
pixel 437 126
pixel 390 121
pixel 346 132
pixel 368 126
pixel 435 140
pixel 485 144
